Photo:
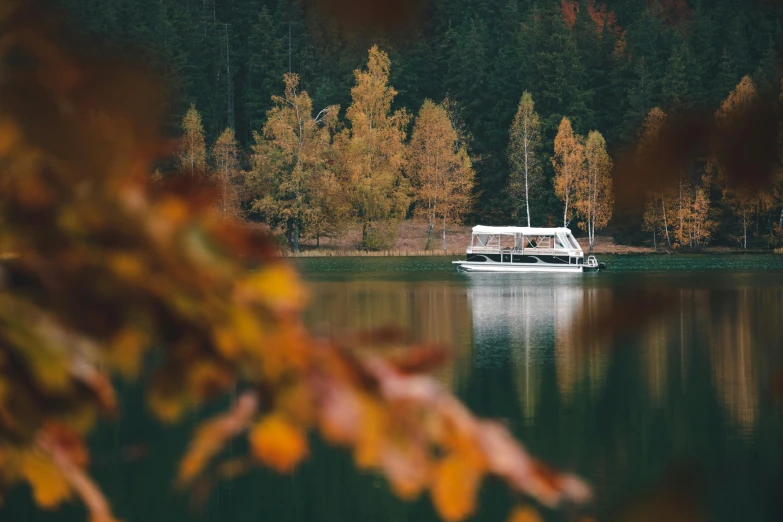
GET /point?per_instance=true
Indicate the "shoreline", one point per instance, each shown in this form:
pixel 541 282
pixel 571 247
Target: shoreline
pixel 440 253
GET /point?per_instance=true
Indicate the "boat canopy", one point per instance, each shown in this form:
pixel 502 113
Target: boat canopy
pixel 523 239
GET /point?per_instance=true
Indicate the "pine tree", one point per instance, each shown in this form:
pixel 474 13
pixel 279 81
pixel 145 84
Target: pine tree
pixel 264 69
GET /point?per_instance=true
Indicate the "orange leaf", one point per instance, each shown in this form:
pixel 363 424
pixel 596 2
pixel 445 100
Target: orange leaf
pixel 524 514
pixel 277 443
pixel 454 488
pixel 49 486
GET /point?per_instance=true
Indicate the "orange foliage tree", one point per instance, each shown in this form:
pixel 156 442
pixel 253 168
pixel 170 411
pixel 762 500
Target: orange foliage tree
pixel 372 154
pixel 594 199
pixel 214 301
pixel 290 174
pixel 657 212
pixel 569 163
pixel 192 148
pixel 226 155
pixel 440 170
pixel 743 202
pixel 523 151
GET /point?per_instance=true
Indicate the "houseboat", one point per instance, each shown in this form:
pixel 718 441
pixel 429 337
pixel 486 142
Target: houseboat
pixel 525 249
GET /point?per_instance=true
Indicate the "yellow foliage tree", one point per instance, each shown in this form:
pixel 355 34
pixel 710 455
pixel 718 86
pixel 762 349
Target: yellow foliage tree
pixel 372 154
pixel 226 155
pixel 569 163
pixel 440 170
pixel 594 199
pixel 290 174
pixel 523 150
pixel 192 148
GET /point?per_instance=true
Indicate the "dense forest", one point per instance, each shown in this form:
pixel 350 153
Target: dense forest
pixel 603 65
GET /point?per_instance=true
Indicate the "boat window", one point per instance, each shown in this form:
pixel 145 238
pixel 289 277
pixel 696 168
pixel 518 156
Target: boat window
pixel 482 239
pixel 559 242
pixel 574 244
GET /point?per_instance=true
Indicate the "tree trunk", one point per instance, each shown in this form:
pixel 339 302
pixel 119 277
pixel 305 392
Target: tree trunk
pixel 781 218
pixel 655 244
pixel 429 235
pixel 744 232
pixel 565 212
pixel 665 222
pixel 318 239
pixel 296 235
pixel 444 233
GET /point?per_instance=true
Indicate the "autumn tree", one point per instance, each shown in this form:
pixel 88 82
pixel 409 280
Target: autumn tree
pixel 593 197
pixel 225 152
pixel 192 148
pixel 740 200
pixel 440 170
pixel 657 213
pixel 372 154
pixel 569 164
pixel 523 155
pixel 289 162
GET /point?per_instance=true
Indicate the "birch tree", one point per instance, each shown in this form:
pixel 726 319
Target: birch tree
pixel 569 164
pixel 594 199
pixel 440 170
pixel 523 155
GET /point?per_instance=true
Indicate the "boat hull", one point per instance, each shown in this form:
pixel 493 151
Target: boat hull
pixel 467 266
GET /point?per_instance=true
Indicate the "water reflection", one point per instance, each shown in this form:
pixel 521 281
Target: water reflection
pixel 431 312
pixel 700 380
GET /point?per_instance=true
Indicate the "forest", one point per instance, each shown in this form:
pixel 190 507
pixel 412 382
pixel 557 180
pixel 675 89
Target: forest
pixel 611 69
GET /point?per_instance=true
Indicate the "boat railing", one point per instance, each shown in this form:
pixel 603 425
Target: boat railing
pixel 525 251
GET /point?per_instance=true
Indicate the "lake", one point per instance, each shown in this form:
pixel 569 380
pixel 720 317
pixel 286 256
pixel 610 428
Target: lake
pixel 660 381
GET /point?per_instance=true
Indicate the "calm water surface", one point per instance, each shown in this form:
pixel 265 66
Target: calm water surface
pixel 660 381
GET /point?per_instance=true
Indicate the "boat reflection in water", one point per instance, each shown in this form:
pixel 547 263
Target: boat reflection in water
pixel 529 322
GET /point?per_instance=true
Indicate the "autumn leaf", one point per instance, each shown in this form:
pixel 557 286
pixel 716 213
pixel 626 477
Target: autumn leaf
pixel 277 443
pixel 49 486
pixel 454 488
pixel 524 514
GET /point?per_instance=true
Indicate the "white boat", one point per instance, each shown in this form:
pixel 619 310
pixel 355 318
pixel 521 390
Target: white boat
pixel 525 249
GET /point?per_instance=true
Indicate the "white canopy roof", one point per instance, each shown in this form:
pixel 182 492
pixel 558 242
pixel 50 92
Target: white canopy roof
pixel 527 231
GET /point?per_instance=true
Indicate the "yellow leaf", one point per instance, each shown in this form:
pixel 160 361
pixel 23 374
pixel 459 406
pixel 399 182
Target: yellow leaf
pixel 276 285
pixel 524 514
pixel 49 486
pixel 372 423
pixel 454 488
pixel 126 351
pixel 277 443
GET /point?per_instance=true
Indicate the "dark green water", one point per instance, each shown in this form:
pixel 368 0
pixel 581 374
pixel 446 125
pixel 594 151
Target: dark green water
pixel 660 381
